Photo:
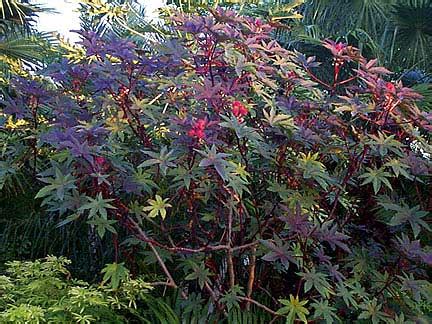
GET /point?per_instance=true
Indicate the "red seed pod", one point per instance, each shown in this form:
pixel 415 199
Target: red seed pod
pixel 239 110
pixel 198 129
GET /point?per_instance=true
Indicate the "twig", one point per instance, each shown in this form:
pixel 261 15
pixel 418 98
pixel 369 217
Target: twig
pixel 230 254
pixel 251 276
pixel 143 236
pixel 258 304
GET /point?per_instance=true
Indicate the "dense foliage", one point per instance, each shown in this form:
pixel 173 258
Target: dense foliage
pixel 22 47
pixel 222 168
pixel 396 31
pixel 44 291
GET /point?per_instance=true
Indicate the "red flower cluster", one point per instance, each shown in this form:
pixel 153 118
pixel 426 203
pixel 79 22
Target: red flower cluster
pixel 198 128
pixel 100 160
pixel 340 47
pixel 390 87
pixel 239 110
pixel 337 49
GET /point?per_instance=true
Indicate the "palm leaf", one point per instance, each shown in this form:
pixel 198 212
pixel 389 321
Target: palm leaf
pixel 26 49
pixel 411 41
pixel 16 11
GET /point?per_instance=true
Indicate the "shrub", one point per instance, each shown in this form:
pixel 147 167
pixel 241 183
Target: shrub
pixel 221 158
pixel 43 291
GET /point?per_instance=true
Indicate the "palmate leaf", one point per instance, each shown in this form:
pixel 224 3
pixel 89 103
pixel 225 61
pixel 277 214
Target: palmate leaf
pixel 103 225
pixel 200 273
pixel 377 177
pixel 372 310
pixel 215 159
pixel 318 281
pixel 241 129
pixel 157 206
pixel 405 214
pixel 347 294
pixel 97 206
pixel 384 144
pixel 399 168
pixel 230 299
pixel 278 252
pixel 115 273
pixel 361 262
pixel 418 289
pixel 182 176
pixel 143 180
pixel 294 309
pixel 280 188
pixel 324 310
pixel 238 184
pixel 60 184
pixel 274 119
pixel 313 168
pixel 163 159
pixel 333 237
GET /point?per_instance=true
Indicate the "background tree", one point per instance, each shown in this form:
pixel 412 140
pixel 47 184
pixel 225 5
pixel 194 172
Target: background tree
pixel 396 31
pixel 22 47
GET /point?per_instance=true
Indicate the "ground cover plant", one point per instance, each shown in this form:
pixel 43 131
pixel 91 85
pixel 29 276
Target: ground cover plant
pixel 224 171
pixel 44 291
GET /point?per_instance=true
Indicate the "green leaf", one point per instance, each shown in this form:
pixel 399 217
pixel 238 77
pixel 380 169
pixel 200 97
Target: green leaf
pixel 230 298
pixel 377 177
pixel 157 206
pixel 102 225
pixel 163 159
pixel 318 281
pixel 274 119
pixel 294 309
pixel 347 294
pixel 324 310
pixel 383 144
pixel 60 184
pixel 405 214
pixel 143 180
pixel 398 168
pixel 200 273
pixel 215 159
pixel 372 310
pixel 115 273
pixel 97 206
pixel 241 129
pixel 313 169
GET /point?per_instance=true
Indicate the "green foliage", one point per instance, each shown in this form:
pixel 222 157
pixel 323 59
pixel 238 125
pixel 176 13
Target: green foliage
pixel 230 299
pixel 324 311
pixel 115 273
pixel 396 31
pixel 294 309
pixel 403 214
pixel 318 281
pixel 157 207
pixel 22 48
pixel 377 177
pixel 43 291
pixel 372 310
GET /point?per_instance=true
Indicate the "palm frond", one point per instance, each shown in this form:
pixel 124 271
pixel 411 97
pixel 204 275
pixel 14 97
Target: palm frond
pixel 425 89
pixel 26 49
pixel 17 11
pixel 411 40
